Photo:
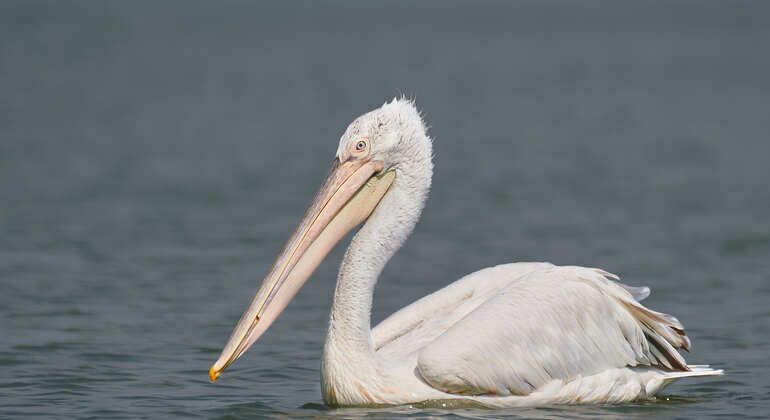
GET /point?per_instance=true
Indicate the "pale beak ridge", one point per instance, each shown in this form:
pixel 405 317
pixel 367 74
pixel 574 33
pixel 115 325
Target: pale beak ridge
pixel 350 193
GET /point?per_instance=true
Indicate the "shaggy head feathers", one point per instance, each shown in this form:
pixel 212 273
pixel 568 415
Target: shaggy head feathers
pixel 392 133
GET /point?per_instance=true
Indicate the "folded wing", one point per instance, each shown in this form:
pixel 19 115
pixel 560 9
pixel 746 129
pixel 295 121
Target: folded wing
pixel 552 323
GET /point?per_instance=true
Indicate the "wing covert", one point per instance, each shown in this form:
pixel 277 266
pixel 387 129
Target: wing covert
pixel 554 323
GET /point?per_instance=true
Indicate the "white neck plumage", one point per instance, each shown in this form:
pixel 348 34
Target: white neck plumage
pixel 371 248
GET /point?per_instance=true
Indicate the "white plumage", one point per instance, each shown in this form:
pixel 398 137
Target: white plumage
pixel 511 335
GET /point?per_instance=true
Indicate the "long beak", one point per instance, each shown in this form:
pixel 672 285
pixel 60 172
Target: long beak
pixel 347 198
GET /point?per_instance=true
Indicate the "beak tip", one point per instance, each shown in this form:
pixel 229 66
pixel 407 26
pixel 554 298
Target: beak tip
pixel 213 374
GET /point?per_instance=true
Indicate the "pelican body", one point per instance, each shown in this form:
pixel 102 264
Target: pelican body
pixel 512 335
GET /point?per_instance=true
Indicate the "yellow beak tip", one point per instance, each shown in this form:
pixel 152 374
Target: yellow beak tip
pixel 213 374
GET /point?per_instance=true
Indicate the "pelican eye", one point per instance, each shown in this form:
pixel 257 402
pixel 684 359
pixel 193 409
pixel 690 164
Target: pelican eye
pixel 360 146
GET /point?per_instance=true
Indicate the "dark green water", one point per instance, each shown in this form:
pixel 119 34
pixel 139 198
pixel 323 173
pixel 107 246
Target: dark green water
pixel 154 158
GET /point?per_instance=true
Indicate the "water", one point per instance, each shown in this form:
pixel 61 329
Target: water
pixel 154 158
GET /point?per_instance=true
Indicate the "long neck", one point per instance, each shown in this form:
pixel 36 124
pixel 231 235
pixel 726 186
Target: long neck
pixel 371 248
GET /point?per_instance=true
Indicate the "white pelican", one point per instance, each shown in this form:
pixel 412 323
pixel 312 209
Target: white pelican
pixel 511 335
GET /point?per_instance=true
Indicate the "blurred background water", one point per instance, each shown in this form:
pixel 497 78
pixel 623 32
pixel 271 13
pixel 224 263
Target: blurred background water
pixel 154 156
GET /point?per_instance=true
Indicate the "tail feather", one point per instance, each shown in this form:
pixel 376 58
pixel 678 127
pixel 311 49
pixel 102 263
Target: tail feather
pixel 694 372
pixel 663 334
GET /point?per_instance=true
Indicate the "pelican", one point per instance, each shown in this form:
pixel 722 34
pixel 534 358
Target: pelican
pixel 517 334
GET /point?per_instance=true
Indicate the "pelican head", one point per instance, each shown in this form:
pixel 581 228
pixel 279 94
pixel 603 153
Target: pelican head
pixel 373 152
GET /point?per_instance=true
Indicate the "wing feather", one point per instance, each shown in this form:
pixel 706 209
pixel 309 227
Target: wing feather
pixel 416 325
pixel 553 323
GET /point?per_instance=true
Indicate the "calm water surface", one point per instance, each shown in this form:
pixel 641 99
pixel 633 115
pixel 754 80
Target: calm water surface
pixel 154 158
